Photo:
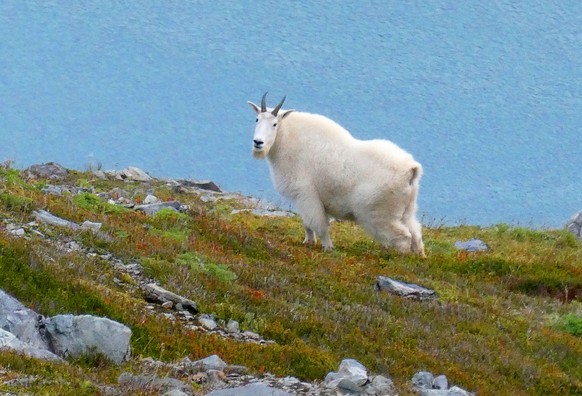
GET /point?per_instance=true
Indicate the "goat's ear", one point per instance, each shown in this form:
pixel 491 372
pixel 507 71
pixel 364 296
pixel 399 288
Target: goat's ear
pixel 256 108
pixel 286 113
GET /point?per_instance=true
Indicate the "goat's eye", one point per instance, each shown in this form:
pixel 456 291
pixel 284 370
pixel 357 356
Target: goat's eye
pixel 275 124
pixel 257 120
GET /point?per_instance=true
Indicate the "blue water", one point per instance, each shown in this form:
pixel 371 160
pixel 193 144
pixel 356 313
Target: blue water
pixel 486 95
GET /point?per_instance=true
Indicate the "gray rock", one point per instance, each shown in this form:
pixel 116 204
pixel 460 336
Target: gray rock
pixel 133 173
pixel 352 376
pixel 264 212
pixel 53 190
pixel 472 245
pixel 207 322
pixel 99 174
pixel 453 391
pixel 441 382
pixel 20 321
pixel 75 336
pixel 50 170
pixel 89 225
pixel 574 225
pixel 45 217
pixel 233 326
pixel 407 290
pixel 201 184
pixel 251 335
pixel 150 199
pixel 254 389
pixel 423 380
pixel 213 362
pixel 175 392
pixel 159 295
pixel 11 342
pixel 381 386
pixel 152 209
pixel 18 232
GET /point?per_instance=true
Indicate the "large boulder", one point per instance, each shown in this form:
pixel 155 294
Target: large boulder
pixel 84 335
pixel 22 322
pixel 574 225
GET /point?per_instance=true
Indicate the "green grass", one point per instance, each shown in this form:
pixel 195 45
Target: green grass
pixel 507 321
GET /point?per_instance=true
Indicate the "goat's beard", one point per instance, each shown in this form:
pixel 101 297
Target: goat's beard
pixel 260 154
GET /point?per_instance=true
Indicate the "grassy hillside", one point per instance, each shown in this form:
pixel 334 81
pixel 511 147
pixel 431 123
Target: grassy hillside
pixel 506 322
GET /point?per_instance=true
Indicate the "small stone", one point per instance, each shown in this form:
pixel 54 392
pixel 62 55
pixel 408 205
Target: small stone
pixel 89 225
pixel 403 289
pixel 150 199
pixel 216 376
pixel 289 381
pixel 233 326
pixel 382 386
pixel 251 335
pixel 168 305
pixel 472 245
pixel 441 382
pixel 207 322
pixel 18 232
pixel 99 174
pixel 423 380
pixel 213 362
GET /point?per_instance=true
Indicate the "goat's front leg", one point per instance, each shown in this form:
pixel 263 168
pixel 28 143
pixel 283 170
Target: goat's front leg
pixel 315 222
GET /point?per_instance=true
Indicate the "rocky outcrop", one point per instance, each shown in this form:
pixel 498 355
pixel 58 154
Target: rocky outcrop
pixel 50 170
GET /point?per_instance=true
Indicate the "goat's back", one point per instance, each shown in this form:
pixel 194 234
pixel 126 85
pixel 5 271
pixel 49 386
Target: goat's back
pixel 317 153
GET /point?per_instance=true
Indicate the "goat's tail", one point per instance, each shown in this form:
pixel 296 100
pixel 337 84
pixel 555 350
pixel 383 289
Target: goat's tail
pixel 416 174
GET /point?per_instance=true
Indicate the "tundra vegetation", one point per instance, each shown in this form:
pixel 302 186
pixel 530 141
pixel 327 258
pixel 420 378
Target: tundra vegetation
pixel 506 321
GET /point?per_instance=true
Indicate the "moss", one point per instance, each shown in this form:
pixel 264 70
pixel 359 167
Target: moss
pixel 94 204
pixel 17 203
pixel 570 323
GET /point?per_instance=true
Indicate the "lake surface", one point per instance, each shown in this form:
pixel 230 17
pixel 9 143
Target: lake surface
pixel 486 95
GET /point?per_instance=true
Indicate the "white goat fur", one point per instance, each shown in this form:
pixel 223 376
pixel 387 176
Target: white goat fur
pixel 326 172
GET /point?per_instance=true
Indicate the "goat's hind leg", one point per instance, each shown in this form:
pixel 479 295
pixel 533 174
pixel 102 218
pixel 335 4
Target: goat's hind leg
pixel 310 237
pixel 409 219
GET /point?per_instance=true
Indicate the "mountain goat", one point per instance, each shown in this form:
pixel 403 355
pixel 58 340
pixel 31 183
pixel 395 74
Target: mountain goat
pixel 326 172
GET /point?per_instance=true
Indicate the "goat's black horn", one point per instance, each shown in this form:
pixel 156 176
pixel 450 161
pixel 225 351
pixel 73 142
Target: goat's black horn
pixel 276 109
pixel 264 103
